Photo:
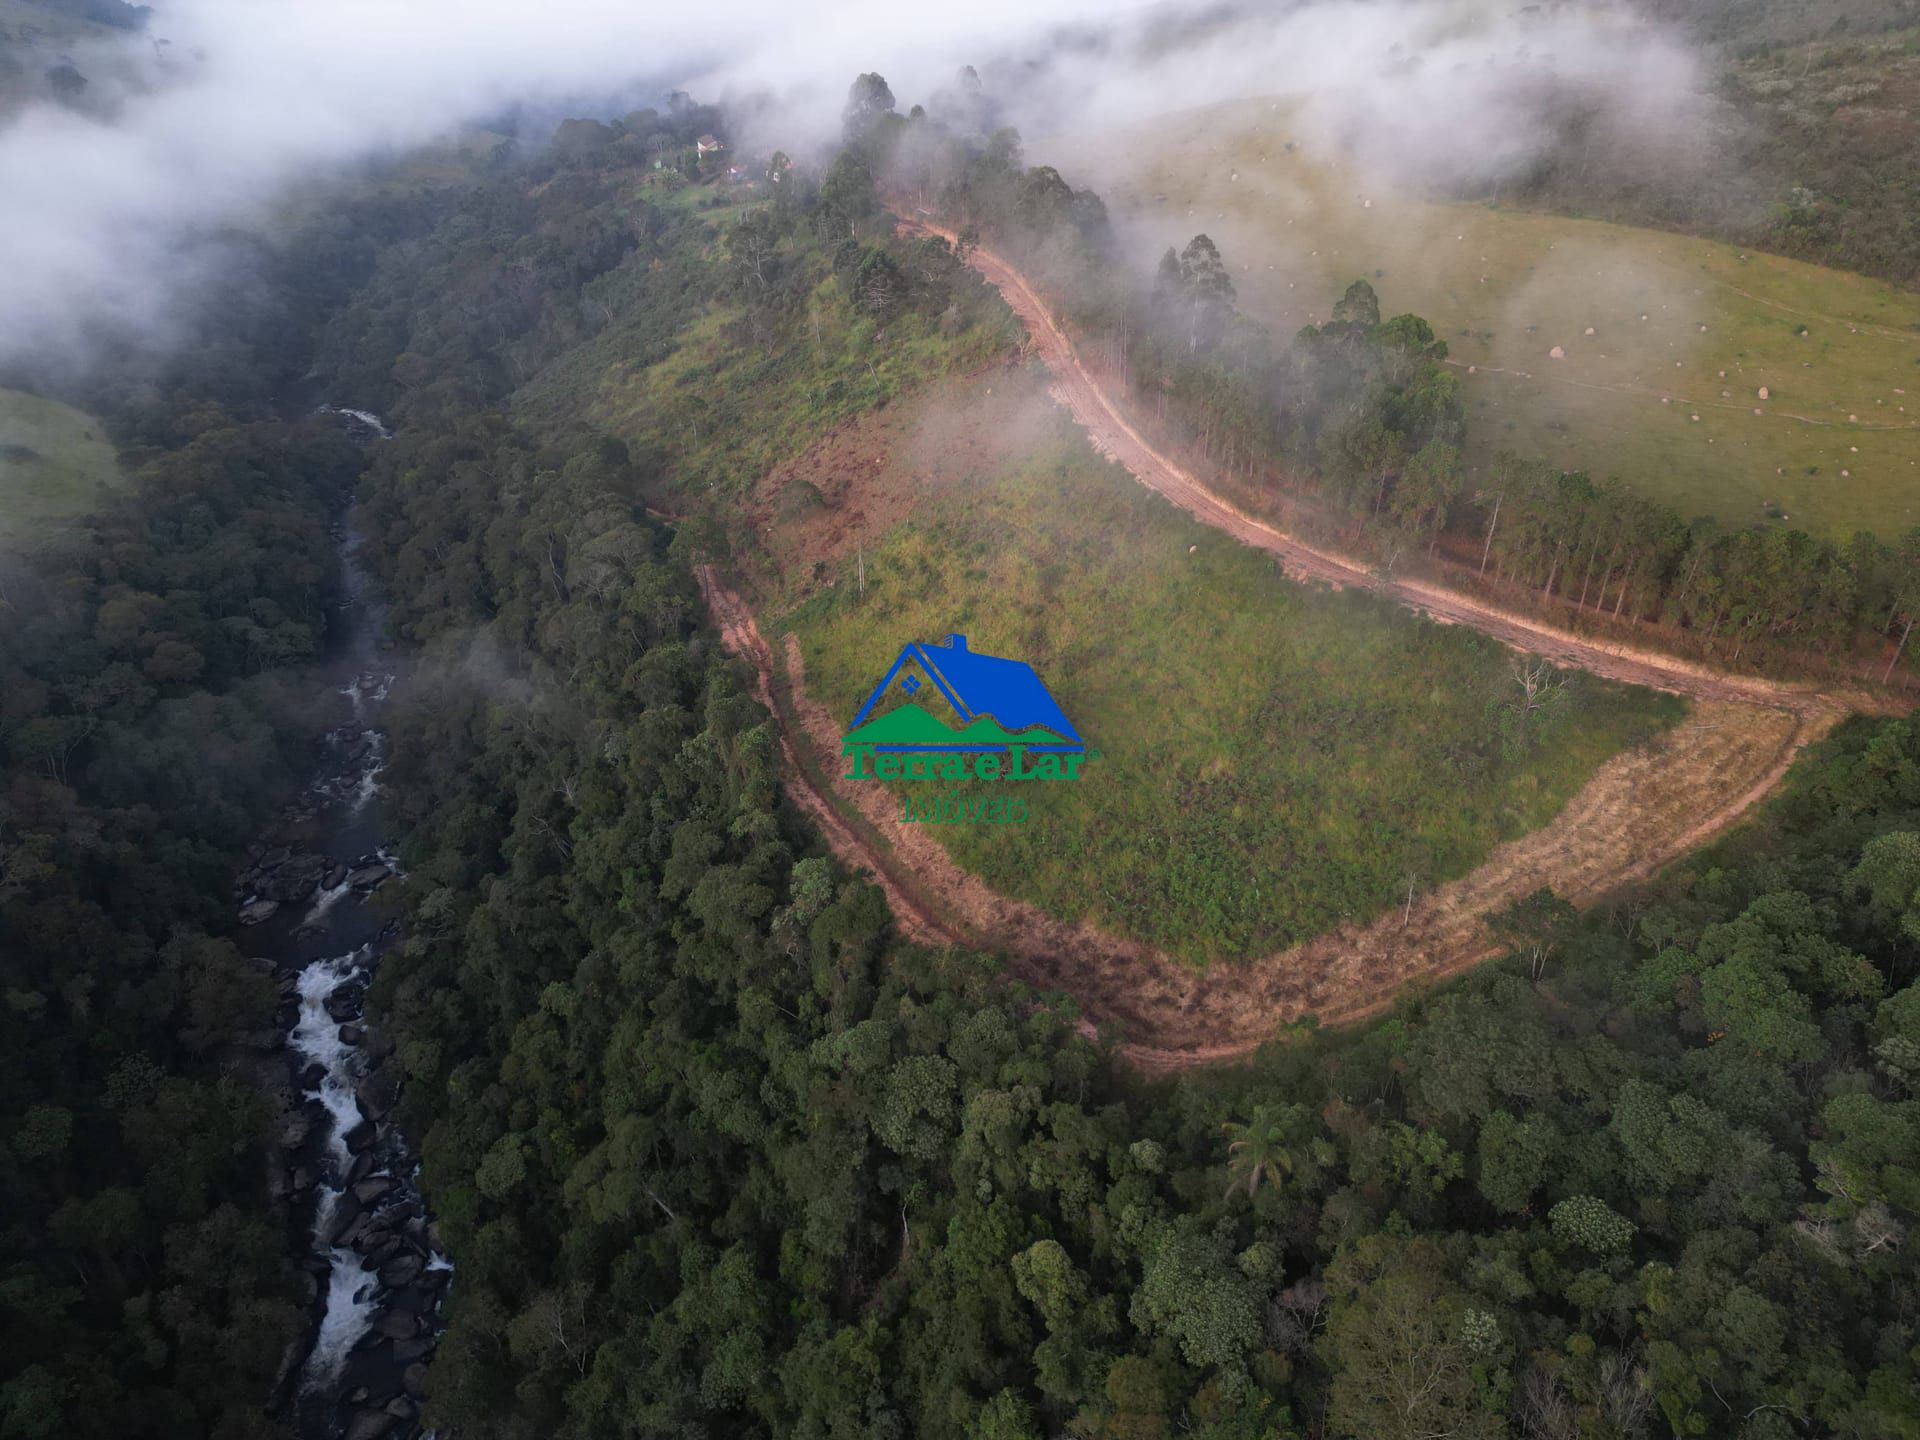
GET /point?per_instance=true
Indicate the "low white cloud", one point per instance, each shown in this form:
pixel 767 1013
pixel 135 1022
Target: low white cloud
pixel 103 219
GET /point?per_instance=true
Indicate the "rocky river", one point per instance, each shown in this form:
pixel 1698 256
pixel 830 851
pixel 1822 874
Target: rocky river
pixel 310 902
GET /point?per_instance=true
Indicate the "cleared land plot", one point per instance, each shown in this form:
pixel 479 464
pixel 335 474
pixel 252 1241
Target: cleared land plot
pixel 1681 327
pixel 54 461
pixel 1276 760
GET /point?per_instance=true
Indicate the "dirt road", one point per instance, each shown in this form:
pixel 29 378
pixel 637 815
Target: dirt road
pixel 1103 417
pixel 1640 811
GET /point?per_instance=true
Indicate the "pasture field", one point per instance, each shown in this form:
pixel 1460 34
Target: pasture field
pixel 53 462
pixel 1274 759
pixel 1667 340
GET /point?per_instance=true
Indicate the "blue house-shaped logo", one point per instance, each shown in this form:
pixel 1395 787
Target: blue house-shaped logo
pixel 1001 703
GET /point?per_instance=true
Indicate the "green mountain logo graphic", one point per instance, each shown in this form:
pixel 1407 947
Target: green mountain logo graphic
pixel 912 725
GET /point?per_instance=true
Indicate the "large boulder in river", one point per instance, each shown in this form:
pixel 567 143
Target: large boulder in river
pixel 344 1003
pixel 295 880
pixel 370 1425
pixel 368 877
pixel 401 1270
pixel 376 1092
pixel 375 1188
pixel 256 912
pixel 397 1324
pixel 346 1211
pixel 360 1136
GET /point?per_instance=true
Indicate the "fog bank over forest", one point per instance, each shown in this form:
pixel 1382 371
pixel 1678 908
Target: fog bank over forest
pixel 109 217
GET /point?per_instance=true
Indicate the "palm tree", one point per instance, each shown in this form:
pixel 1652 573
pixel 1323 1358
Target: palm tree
pixel 1258 1148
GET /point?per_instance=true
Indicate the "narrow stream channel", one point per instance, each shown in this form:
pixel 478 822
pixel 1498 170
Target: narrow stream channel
pixel 309 904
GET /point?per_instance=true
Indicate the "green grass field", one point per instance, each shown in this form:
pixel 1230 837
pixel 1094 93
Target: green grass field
pixel 1662 394
pixel 54 460
pixel 1274 759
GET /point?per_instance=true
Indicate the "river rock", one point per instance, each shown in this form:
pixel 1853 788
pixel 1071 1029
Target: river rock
pixel 344 1003
pixel 368 1191
pixel 401 1270
pixel 295 880
pixel 335 875
pixel 254 912
pixel 352 1034
pixel 370 1425
pixel 402 1408
pixel 376 1093
pixel 368 877
pixel 361 1167
pixel 312 1075
pixel 360 1136
pixel 397 1324
pixel 414 1377
pixel 346 1212
pixel 405 1352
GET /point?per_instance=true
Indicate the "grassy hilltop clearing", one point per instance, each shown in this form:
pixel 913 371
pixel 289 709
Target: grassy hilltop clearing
pixel 1275 759
pixel 1667 340
pixel 54 461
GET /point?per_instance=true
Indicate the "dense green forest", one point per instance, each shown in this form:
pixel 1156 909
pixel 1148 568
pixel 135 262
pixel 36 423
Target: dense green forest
pixel 713 1151
pixel 154 713
pixel 147 729
pixel 716 1155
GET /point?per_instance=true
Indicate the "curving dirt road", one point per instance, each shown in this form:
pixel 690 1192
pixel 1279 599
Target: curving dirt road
pixel 1640 811
pixel 1113 435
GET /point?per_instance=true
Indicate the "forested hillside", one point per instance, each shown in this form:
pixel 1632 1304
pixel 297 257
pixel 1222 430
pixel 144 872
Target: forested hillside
pixel 155 711
pixel 713 1151
pixel 148 726
pixel 716 1155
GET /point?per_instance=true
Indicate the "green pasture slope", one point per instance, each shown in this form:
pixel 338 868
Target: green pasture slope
pixel 1666 340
